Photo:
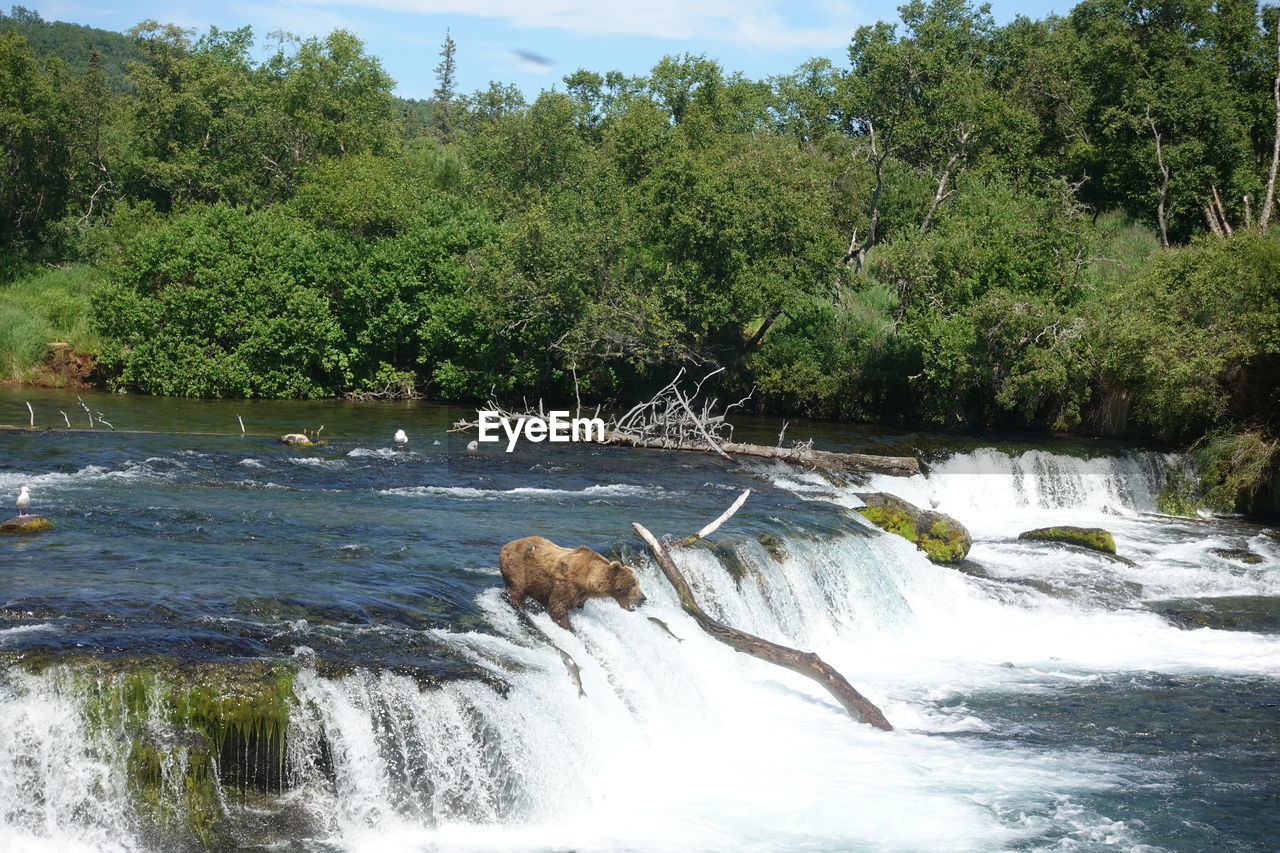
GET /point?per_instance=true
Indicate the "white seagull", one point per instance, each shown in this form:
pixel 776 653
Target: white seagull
pixel 402 438
pixel 24 501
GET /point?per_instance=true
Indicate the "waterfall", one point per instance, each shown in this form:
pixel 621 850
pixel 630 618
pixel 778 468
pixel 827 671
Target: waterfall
pixel 991 480
pixel 679 743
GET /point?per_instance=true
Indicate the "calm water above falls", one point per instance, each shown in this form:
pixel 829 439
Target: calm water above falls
pixel 1043 707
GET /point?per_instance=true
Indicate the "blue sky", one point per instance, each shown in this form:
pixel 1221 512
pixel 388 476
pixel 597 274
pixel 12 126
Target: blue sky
pixel 534 44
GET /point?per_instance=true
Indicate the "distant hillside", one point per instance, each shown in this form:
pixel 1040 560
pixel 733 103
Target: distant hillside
pixel 73 43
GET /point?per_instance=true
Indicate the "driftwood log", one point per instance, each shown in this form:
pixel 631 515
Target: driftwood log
pixel 672 420
pixel 805 663
pixel 859 463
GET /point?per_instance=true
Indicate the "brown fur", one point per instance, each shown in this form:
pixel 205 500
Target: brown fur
pixel 562 579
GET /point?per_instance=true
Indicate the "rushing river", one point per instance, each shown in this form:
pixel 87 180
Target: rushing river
pixel 1053 699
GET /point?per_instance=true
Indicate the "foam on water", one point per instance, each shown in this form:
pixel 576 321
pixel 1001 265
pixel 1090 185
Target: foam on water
pixel 130 471
pixel 468 493
pixel 381 452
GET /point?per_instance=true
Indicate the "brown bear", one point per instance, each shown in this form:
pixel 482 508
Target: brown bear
pixel 562 579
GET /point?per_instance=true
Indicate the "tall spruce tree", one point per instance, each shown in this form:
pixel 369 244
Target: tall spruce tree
pixel 446 80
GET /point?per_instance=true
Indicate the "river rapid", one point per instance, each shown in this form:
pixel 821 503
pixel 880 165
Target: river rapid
pixel 1047 699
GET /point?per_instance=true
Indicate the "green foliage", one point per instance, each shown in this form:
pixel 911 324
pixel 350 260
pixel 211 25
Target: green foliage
pixel 827 360
pixel 217 303
pixel 208 123
pixel 74 44
pixel 1235 466
pixel 45 306
pixel 1178 496
pixel 35 141
pixel 1196 335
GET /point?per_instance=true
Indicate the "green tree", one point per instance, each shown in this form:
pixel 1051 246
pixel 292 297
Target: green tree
pixel 35 142
pixel 219 303
pixel 1169 120
pixel 446 83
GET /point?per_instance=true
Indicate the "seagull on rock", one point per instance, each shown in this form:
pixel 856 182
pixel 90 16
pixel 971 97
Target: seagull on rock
pixel 24 502
pixel 402 438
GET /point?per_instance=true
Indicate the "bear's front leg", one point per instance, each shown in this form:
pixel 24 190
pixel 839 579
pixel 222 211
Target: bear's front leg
pixel 558 604
pixel 516 595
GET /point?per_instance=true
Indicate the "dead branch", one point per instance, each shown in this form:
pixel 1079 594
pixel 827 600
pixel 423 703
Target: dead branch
pixel 671 420
pixel 715 525
pixel 807 664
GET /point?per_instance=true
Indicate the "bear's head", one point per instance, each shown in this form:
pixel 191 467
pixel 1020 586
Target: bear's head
pixel 624 587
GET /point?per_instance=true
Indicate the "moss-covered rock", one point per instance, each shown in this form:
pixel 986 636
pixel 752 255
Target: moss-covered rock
pixel 773 544
pixel 941 537
pixel 192 736
pixel 1093 538
pixel 21 524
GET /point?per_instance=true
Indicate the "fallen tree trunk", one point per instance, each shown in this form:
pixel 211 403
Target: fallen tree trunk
pixel 805 663
pixel 862 463
pixel 669 421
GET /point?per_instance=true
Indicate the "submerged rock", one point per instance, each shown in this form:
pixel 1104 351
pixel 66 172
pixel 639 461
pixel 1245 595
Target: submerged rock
pixel 296 438
pixel 941 537
pixel 26 524
pixel 1225 613
pixel 1242 555
pixel 1093 538
pixel 773 544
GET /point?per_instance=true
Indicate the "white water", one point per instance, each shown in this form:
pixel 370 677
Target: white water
pixel 525 492
pixel 686 745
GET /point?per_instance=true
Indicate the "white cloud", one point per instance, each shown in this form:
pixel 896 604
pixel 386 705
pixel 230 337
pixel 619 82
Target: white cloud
pixel 769 24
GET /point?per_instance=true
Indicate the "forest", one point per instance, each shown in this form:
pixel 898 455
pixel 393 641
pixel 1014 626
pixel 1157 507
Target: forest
pixel 1057 224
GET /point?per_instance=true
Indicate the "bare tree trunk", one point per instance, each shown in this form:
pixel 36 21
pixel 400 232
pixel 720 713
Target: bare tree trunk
pixel 1164 183
pixel 1212 219
pixel 1222 213
pixel 1269 202
pixel 805 663
pixel 942 192
pixel 764 327
pixel 858 252
pixel 857 463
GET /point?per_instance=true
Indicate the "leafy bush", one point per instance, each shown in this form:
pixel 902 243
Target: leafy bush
pixel 217 303
pixel 1196 335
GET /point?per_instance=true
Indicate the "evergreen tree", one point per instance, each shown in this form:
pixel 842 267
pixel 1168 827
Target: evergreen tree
pixel 446 77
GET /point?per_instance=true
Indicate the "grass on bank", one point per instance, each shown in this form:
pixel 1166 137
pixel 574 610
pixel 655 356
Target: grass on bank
pixel 42 306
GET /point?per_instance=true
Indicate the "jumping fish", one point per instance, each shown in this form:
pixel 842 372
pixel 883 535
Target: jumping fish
pixel 663 625
pixel 575 673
